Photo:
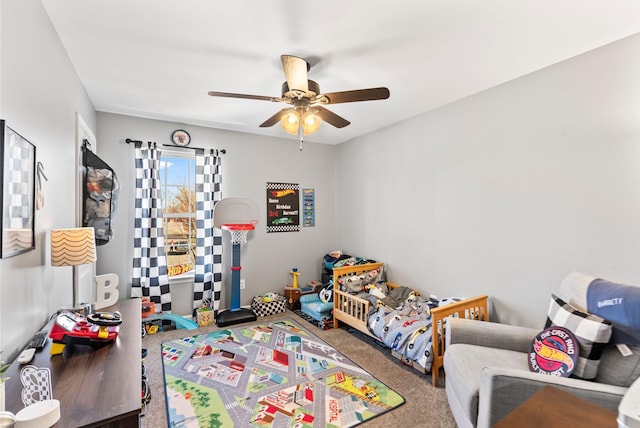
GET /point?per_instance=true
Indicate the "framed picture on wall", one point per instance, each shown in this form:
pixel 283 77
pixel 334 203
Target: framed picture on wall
pixel 283 207
pixel 18 159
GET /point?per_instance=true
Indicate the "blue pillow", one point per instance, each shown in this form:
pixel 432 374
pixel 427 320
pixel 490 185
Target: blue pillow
pixel 619 304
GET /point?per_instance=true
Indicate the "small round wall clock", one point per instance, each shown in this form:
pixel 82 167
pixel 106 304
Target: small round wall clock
pixel 181 138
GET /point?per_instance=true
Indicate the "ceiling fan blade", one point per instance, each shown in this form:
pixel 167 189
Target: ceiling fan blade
pixel 274 119
pixel 330 117
pixel 249 97
pixel 370 94
pixel 295 71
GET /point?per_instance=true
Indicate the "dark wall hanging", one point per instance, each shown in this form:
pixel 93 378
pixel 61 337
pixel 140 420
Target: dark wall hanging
pixel 100 195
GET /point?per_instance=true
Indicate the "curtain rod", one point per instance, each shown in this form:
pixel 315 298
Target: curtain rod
pixel 129 141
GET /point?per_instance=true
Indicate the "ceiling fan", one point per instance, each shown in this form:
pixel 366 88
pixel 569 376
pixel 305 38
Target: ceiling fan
pixel 307 112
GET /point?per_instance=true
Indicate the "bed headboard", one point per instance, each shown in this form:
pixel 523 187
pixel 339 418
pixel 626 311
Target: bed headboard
pixel 355 270
pixel 343 271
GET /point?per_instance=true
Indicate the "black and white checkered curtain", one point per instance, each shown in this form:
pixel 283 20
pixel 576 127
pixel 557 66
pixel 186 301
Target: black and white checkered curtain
pixel 149 278
pixel 208 275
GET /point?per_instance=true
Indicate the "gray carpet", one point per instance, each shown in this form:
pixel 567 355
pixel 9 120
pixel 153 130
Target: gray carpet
pixel 425 405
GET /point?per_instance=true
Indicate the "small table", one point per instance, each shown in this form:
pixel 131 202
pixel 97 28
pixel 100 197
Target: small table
pixel 95 387
pixel 552 407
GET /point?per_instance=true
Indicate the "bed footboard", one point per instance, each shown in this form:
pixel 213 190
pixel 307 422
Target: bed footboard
pixel 474 308
pixel 351 310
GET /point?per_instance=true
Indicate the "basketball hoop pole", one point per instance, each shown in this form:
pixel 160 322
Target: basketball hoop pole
pixel 235 278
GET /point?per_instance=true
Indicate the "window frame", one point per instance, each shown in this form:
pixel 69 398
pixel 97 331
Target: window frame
pixel 191 176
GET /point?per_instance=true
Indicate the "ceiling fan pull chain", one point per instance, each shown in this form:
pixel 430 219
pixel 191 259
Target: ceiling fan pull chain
pixel 300 134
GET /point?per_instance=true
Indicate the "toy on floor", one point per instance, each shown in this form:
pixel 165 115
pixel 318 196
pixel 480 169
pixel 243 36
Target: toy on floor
pixel 160 322
pixel 154 323
pixel 180 322
pixel 238 217
pixel 268 304
pixel 148 307
pixel 294 277
pixel 269 297
pixel 293 294
pixel 319 306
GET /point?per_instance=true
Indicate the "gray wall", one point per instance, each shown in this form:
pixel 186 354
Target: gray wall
pixel 40 95
pixel 502 193
pixel 506 192
pixel 250 162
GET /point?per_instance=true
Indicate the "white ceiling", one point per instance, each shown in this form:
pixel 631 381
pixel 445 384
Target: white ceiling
pixel 159 58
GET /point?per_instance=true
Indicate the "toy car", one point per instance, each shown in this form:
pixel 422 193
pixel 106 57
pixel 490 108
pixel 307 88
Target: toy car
pixel 283 220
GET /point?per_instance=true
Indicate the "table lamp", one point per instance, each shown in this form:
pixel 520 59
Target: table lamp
pixel 73 247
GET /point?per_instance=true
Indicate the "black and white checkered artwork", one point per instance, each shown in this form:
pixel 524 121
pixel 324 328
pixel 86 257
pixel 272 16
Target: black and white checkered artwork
pixel 208 274
pixel 36 384
pixel 19 163
pixel 149 278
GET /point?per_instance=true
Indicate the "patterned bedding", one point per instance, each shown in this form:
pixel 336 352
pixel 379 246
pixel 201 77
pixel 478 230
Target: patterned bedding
pixel 402 321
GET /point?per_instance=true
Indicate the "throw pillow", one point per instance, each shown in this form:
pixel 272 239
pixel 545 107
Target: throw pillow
pixel 326 293
pixel 554 352
pixel 619 304
pixel 591 331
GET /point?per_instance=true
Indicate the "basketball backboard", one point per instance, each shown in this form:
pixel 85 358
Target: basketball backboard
pixel 235 211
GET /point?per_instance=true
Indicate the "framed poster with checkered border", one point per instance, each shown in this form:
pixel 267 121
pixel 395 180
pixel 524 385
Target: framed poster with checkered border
pixel 18 160
pixel 283 207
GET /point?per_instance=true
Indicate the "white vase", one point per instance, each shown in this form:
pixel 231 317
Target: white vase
pixel 1 396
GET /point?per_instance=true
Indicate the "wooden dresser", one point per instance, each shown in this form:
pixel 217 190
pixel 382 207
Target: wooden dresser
pixel 95 387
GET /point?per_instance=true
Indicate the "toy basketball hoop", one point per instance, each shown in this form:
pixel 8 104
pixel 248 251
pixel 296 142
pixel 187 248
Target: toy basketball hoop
pixel 238 231
pixel 238 217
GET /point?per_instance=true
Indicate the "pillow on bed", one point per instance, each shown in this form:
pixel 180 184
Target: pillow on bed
pixel 351 284
pixel 378 290
pixel 591 331
pixel 358 283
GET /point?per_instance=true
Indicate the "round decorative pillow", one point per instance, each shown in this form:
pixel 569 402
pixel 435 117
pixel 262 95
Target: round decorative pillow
pixel 554 351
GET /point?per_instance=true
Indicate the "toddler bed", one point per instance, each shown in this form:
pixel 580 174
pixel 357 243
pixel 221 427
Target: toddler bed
pixel 410 325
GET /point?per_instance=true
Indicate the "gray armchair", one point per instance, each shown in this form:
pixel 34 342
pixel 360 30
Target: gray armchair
pixel 487 368
pixel 488 376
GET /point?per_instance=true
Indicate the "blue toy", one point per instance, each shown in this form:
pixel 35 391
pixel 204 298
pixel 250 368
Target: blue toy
pixel 318 306
pixel 180 322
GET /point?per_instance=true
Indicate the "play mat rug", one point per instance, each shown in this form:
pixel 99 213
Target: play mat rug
pixel 271 374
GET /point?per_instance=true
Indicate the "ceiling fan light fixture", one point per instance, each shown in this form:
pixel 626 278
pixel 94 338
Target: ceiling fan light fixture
pixel 310 123
pixel 292 120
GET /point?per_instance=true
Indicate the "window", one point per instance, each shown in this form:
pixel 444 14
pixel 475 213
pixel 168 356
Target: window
pixel 177 184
